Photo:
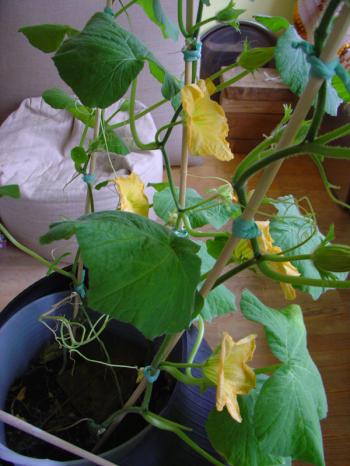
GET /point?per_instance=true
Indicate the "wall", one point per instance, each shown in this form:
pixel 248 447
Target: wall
pixel 254 7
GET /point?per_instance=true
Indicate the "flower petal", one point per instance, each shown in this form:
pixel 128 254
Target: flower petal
pixel 131 193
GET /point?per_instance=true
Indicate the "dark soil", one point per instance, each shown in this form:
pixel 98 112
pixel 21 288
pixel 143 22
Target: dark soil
pixel 72 403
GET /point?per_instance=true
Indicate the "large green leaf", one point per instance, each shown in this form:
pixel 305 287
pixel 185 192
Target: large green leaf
pixel 48 37
pixel 100 63
pixel 10 190
pixel 236 441
pixel 139 271
pixel 294 68
pixel 290 228
pixel 220 301
pixel 293 400
pixel 213 213
pixel 154 11
pixel 57 98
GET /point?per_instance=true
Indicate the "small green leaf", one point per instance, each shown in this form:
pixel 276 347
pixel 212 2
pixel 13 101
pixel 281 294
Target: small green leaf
pixel 79 157
pixel 57 98
pixel 158 186
pixel 101 185
pixel 61 230
pixel 294 68
pixel 290 228
pixel 109 141
pixel 10 190
pixel 213 213
pixel 339 86
pixel 139 271
pixel 154 11
pixel 229 15
pixel 237 442
pixel 253 59
pixel 293 400
pixel 171 86
pixel 274 23
pixel 48 37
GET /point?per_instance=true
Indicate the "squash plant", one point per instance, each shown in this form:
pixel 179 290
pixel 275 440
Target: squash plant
pixel 163 276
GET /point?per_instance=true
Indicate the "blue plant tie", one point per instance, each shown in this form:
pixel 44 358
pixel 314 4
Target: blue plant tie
pixel 109 11
pixel 89 179
pixel 246 229
pixel 192 54
pixel 148 373
pixel 320 69
pixel 80 289
pixel 181 233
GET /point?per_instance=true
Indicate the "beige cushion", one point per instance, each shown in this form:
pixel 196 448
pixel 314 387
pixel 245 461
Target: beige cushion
pixel 35 145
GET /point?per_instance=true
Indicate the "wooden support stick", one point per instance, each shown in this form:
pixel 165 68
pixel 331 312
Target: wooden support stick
pixel 51 439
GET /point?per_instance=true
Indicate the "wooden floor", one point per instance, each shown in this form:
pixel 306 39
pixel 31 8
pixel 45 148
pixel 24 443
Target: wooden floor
pixel 327 320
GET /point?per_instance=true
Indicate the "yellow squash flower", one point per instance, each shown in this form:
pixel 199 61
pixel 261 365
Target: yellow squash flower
pixel 227 369
pixel 244 251
pixel 131 194
pixel 205 120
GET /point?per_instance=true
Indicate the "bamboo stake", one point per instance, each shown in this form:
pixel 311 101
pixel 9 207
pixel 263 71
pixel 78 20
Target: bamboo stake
pixel 301 110
pixel 184 147
pixel 24 426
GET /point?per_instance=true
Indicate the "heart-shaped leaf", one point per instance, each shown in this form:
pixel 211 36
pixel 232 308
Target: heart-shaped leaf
pixel 48 37
pixel 139 271
pixel 293 400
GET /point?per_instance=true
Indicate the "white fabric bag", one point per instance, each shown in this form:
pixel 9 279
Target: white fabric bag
pixel 35 145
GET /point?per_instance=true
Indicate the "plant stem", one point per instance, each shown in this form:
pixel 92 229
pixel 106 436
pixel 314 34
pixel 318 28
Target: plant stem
pixel 318 113
pixel 197 448
pixel 138 115
pixel 197 26
pixel 231 81
pixel 184 148
pixel 125 7
pixel 181 365
pixel 300 281
pixel 234 271
pixel 222 71
pixel 52 439
pixel 203 234
pixel 138 142
pixel 333 135
pixel 197 344
pixel 277 258
pixel 33 254
pixel 184 378
pixel 180 19
pixel 170 176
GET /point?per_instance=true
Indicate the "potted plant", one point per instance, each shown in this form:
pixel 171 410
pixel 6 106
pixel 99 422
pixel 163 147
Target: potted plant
pixel 161 278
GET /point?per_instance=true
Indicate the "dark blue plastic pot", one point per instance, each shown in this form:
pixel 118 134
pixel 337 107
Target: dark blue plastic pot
pixel 22 336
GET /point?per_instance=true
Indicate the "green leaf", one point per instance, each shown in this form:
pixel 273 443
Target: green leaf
pixel 220 301
pixel 101 185
pixel 100 63
pixel 253 59
pixel 109 141
pixel 79 157
pixel 237 442
pixel 57 98
pixel 10 190
pixel 48 37
pixel 293 400
pixel 139 271
pixel 289 228
pixel 274 23
pixel 213 213
pixel 339 86
pixel 57 231
pixel 158 186
pixel 294 68
pixel 171 86
pixel 229 15
pixel 154 11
